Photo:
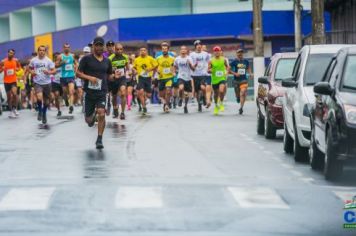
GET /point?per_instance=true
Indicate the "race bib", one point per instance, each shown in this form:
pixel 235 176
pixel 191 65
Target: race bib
pixel 121 71
pixel 241 71
pixel 68 67
pixel 40 70
pixel 219 73
pixel 96 86
pixel 144 74
pixel 166 71
pixel 10 72
pixel 200 66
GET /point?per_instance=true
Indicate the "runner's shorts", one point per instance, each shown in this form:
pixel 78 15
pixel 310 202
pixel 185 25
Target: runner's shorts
pixel 66 81
pixel 44 89
pixel 216 86
pixel 164 83
pixel 187 85
pixel 145 83
pixel 92 102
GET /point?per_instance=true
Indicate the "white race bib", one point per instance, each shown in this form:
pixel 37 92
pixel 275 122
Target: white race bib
pixel 166 71
pixel 241 71
pixel 96 86
pixel 144 74
pixel 121 71
pixel 219 73
pixel 40 70
pixel 68 67
pixel 10 72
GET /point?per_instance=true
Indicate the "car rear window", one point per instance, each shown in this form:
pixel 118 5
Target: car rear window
pixel 316 67
pixel 350 72
pixel 284 68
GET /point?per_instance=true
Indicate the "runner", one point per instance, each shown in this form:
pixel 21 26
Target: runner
pixel 119 62
pixel 201 77
pixel 30 90
pixel 183 63
pixel 241 70
pixel 96 71
pixel 41 67
pixel 110 49
pixel 78 98
pixel 56 87
pixel 144 65
pixel 21 85
pixel 218 67
pixel 130 81
pixel 67 63
pixel 10 66
pixel 165 76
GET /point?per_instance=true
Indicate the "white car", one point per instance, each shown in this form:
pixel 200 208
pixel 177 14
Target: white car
pixel 309 69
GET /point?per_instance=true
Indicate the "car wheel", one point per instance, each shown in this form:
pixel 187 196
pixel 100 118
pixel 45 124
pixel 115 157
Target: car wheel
pixel 260 123
pixel 270 130
pixel 333 167
pixel 287 140
pixel 300 153
pixel 316 157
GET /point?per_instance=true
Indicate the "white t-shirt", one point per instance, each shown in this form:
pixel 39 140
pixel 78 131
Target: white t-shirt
pixel 203 59
pixel 182 63
pixel 39 65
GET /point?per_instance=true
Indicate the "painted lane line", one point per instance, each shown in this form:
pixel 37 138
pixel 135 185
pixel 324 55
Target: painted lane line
pixel 139 197
pixel 345 195
pixel 27 199
pixel 259 197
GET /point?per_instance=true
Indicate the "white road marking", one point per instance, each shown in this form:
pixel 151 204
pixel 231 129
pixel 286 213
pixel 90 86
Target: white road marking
pixel 27 199
pixel 259 197
pixel 345 195
pixel 139 197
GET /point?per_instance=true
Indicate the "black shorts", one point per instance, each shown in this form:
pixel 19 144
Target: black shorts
pixel 130 83
pixel 144 83
pixel 216 86
pixel 199 81
pixel 66 81
pixel 115 85
pixel 57 88
pixel 92 102
pixel 164 83
pixel 187 85
pixel 45 89
pixel 9 86
pixel 175 83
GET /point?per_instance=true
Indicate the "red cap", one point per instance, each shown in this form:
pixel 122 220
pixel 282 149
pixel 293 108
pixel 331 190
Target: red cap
pixel 217 49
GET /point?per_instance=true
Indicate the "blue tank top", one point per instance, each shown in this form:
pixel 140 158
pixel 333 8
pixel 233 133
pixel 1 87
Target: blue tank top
pixel 68 67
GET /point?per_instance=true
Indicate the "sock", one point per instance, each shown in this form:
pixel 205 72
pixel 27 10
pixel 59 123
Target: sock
pixel 100 137
pixel 129 100
pixel 44 110
pixel 39 106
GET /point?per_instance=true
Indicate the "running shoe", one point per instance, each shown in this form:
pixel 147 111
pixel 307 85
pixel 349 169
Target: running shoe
pixel 238 99
pixel 180 102
pixel 59 113
pixel 39 116
pixel 44 119
pixel 16 112
pixel 216 110
pixel 12 114
pixel 99 143
pixel 144 111
pixel 200 108
pixel 186 110
pixel 241 111
pixel 116 113
pixel 122 116
pixel 71 109
pixel 222 107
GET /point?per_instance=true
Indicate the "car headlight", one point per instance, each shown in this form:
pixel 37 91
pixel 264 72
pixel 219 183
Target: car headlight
pixel 350 112
pixel 278 101
pixel 307 109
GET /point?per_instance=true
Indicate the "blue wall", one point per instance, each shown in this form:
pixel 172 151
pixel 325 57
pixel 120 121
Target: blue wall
pixel 12 5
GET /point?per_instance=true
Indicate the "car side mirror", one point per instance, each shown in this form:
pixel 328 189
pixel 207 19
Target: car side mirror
pixel 323 88
pixel 289 82
pixel 263 80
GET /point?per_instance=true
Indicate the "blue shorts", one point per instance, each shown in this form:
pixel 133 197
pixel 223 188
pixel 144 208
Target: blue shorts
pixel 66 81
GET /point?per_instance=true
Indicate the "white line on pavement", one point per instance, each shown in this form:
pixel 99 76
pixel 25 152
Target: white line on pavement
pixel 259 197
pixel 27 199
pixel 345 195
pixel 139 197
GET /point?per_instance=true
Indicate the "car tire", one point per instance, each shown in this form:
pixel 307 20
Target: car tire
pixel 316 157
pixel 270 130
pixel 260 123
pixel 300 153
pixel 333 168
pixel 287 140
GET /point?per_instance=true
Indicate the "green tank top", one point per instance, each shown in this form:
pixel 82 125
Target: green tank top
pixel 218 70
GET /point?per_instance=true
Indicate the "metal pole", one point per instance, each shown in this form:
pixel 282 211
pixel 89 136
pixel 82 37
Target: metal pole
pixel 258 60
pixel 318 32
pixel 297 25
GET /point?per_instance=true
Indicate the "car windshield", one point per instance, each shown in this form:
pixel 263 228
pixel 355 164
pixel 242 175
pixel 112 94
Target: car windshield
pixel 349 76
pixel 316 67
pixel 284 68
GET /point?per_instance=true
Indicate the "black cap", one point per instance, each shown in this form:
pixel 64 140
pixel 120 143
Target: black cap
pixel 110 42
pixel 196 42
pixel 90 44
pixel 99 40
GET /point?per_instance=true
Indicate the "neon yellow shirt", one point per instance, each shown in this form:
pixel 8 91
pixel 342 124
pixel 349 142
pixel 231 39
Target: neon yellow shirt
pixel 165 66
pixel 142 64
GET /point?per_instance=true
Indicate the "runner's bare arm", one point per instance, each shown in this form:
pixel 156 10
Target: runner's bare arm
pixel 192 67
pixel 18 65
pixel 209 67
pixel 59 61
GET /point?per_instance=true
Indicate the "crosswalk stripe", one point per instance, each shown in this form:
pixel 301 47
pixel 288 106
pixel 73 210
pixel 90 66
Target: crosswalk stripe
pixel 139 197
pixel 27 199
pixel 345 195
pixel 259 197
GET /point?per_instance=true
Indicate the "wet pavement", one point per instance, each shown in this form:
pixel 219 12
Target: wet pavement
pixel 163 174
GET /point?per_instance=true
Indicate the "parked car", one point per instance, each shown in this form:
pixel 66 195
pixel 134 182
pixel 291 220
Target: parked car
pixel 309 69
pixel 333 136
pixel 270 94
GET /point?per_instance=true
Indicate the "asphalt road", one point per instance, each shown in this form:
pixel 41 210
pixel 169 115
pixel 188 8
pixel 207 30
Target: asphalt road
pixel 164 174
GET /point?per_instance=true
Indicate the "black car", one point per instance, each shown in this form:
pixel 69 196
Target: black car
pixel 333 118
